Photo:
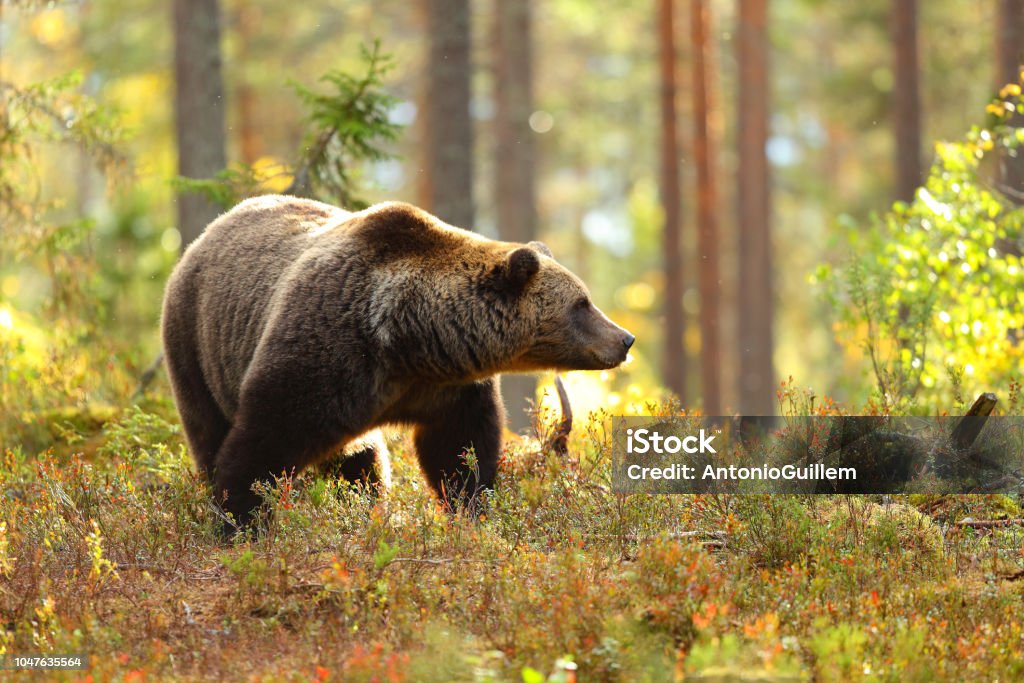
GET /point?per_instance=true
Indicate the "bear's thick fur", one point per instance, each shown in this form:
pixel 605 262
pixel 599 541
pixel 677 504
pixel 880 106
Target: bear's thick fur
pixel 293 329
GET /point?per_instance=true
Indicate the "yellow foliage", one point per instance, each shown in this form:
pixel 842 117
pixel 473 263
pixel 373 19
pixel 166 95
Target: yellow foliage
pixel 134 94
pixel 1010 90
pixel 16 328
pixel 638 296
pixel 9 286
pixel 272 173
pixel 51 28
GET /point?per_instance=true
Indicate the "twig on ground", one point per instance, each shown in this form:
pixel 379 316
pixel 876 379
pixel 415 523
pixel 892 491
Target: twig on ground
pixel 148 375
pixel 559 440
pixel 988 523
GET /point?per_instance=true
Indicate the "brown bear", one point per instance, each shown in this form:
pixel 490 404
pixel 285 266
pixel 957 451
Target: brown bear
pixel 293 329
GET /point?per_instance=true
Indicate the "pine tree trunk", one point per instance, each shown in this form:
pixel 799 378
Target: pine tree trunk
pixel 1009 63
pixel 753 197
pixel 514 191
pixel 1009 42
pixel 707 219
pixel 906 108
pixel 247 19
pixel 199 107
pixel 674 361
pixel 448 139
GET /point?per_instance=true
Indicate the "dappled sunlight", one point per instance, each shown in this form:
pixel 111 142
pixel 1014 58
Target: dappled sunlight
pixel 723 179
pixel 615 392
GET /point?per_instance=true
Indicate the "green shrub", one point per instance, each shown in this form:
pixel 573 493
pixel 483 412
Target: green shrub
pixel 933 290
pixel 775 530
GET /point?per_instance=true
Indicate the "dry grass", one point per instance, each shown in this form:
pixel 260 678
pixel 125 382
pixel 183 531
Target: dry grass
pixel 114 553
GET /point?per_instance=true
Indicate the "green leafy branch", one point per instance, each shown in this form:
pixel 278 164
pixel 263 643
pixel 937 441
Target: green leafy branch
pixel 347 125
pixel 50 111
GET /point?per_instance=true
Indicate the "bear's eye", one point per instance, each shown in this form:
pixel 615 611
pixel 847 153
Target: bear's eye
pixel 581 303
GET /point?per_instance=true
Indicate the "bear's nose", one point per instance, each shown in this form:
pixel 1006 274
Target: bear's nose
pixel 628 340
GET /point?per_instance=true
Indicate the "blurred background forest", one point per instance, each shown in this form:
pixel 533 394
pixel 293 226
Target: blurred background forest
pixel 721 173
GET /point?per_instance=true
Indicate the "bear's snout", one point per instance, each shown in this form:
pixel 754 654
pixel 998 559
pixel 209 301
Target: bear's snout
pixel 626 340
pixel 614 347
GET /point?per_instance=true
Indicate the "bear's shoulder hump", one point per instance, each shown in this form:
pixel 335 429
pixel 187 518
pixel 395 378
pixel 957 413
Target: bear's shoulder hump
pixel 398 226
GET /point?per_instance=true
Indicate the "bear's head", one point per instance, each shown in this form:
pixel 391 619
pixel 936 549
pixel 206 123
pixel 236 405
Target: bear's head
pixel 566 330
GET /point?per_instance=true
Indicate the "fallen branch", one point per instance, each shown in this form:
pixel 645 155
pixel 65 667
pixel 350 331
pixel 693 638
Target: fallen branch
pixel 438 561
pixel 714 537
pixel 988 523
pixel 559 440
pixel 888 459
pixel 973 421
pixel 148 375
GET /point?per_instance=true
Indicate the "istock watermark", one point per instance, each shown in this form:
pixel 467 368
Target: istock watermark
pixel 649 441
pixel 833 454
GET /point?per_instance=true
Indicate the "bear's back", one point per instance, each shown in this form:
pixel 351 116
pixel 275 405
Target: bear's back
pixel 229 275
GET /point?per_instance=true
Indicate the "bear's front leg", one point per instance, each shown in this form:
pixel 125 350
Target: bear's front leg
pixel 469 417
pixel 259 448
pixel 249 455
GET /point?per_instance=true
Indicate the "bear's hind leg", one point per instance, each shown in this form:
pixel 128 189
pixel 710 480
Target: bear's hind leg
pixel 204 424
pixel 364 461
pixel 473 417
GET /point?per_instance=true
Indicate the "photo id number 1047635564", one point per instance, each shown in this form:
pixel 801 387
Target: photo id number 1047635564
pixel 22 662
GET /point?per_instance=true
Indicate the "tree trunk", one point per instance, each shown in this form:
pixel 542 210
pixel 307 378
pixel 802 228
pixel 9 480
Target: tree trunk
pixel 199 107
pixel 753 197
pixel 1009 62
pixel 514 191
pixel 906 110
pixel 674 361
pixel 448 139
pixel 1009 42
pixel 247 18
pixel 708 279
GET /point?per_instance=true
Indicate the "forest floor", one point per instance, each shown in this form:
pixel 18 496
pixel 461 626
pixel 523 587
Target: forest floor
pixel 109 548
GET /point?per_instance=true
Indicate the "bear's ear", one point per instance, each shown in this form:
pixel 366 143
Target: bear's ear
pixel 542 248
pixel 521 266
